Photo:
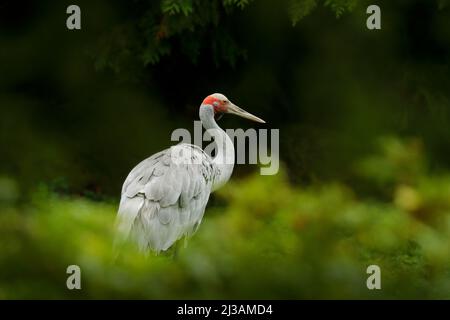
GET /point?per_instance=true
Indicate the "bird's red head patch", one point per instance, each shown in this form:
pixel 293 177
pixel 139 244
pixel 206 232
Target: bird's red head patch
pixel 219 103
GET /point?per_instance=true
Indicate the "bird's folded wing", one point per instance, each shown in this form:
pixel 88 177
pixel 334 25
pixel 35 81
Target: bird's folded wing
pixel 164 197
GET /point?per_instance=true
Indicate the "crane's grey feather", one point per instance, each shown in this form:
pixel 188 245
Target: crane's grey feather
pixel 164 197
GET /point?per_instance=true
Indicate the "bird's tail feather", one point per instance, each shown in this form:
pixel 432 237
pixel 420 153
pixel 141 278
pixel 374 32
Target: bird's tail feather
pixel 128 211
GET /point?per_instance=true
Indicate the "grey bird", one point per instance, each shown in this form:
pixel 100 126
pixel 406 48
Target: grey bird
pixel 164 197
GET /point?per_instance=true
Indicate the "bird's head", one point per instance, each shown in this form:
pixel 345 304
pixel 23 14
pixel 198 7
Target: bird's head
pixel 220 105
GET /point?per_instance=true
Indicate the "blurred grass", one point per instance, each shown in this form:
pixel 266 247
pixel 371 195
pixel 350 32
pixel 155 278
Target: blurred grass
pixel 269 240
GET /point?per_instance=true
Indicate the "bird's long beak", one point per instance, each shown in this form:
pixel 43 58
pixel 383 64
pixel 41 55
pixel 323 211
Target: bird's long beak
pixel 234 109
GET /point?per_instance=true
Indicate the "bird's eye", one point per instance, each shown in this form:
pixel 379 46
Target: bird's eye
pixel 224 101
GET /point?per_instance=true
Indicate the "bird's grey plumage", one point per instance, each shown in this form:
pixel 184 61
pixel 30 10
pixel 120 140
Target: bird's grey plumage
pixel 164 197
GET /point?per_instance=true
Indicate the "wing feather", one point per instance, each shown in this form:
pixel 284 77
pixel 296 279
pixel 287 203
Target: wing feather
pixel 164 197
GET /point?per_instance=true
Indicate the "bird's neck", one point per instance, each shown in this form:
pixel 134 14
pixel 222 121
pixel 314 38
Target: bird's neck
pixel 224 158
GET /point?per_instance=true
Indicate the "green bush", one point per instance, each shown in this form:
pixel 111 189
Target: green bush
pixel 269 240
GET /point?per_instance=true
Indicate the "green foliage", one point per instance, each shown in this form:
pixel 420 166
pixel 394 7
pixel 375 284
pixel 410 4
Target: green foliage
pixel 399 163
pixel 298 9
pixel 313 242
pixel 186 7
pixel 161 29
pixel 240 3
pixel 167 27
pixel 341 6
pixel 176 6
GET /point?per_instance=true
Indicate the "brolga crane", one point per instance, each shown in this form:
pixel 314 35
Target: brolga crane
pixel 164 197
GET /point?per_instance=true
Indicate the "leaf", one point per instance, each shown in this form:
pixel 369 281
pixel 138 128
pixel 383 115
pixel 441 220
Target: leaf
pixel 173 7
pixel 239 3
pixel 341 6
pixel 298 9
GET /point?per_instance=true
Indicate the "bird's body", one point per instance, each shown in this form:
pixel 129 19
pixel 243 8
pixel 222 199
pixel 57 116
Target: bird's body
pixel 164 197
pixel 166 200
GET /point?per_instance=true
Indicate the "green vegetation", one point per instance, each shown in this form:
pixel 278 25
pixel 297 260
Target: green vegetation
pixel 262 239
